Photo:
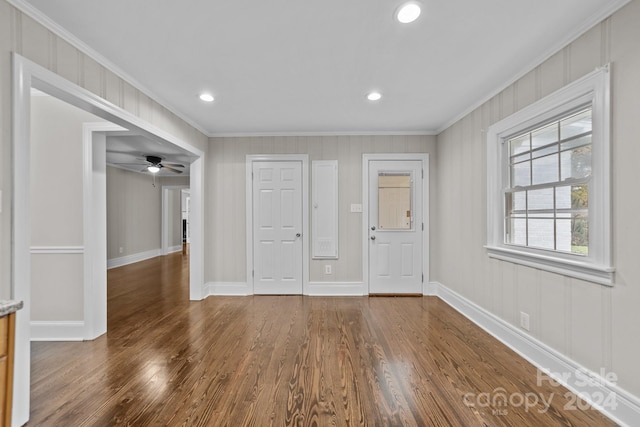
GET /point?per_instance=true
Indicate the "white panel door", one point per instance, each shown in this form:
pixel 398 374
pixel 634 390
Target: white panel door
pixel 395 227
pixel 277 227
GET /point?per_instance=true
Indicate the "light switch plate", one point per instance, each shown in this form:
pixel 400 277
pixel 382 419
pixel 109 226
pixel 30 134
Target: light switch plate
pixel 356 207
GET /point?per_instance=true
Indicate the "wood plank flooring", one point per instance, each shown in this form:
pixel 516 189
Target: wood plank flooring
pixel 284 361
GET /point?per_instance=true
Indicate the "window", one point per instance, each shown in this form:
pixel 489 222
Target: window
pixel 548 183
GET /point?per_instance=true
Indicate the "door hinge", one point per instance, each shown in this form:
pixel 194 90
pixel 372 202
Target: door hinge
pixel 251 176
pixel 422 173
pixel 423 226
pixel 253 273
pixel 422 277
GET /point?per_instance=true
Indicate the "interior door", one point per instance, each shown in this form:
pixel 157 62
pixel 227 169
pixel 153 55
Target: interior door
pixel 277 227
pixel 395 227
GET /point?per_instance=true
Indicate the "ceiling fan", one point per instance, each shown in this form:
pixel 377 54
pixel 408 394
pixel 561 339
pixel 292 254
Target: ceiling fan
pixel 154 164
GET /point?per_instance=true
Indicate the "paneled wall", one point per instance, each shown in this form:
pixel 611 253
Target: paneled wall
pixel 134 212
pixel 592 324
pixel 225 198
pixel 19 33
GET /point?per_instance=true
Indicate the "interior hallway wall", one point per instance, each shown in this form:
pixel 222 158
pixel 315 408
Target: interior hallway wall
pixel 57 281
pixel 592 324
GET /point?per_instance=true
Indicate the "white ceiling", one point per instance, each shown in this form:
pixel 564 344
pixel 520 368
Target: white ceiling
pixel 297 67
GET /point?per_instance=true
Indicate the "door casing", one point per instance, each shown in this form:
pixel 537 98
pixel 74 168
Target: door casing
pixel 304 159
pixel 366 158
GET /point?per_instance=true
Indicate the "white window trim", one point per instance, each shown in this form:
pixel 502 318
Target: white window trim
pixel 597 267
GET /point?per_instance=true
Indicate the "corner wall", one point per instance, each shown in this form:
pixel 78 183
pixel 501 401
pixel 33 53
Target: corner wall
pixel 592 324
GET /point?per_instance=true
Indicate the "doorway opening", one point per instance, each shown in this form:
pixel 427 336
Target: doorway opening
pixel 28 75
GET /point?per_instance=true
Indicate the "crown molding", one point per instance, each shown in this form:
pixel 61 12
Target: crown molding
pixel 61 32
pixel 319 133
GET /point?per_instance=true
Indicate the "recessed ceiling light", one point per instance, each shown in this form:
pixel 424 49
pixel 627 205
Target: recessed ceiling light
pixel 408 12
pixel 206 97
pixel 374 96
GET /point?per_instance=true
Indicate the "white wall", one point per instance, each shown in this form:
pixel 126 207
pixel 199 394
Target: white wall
pixel 592 324
pixel 225 238
pixel 57 201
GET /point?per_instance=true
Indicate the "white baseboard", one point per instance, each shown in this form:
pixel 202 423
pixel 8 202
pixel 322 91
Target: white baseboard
pixel 227 288
pixel 333 289
pixel 130 259
pixel 177 248
pixel 57 331
pixel 578 379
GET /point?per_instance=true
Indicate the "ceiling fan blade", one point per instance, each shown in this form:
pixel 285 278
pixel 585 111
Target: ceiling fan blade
pixel 130 164
pixel 171 169
pixel 175 165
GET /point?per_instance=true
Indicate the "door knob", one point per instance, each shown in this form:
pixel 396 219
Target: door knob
pixel 373 237
pixel 373 228
pixel 298 234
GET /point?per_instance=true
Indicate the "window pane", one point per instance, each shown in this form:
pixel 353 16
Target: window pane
pixel 580 234
pixel 544 136
pixel 521 158
pixel 580 197
pixel 575 125
pixel 394 202
pixel 545 169
pixel 563 234
pixel 521 174
pixel 516 231
pixel 541 233
pixel 576 163
pixel 540 199
pixel 519 145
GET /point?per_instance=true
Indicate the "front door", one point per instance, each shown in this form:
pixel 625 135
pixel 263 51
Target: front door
pixel 395 226
pixel 277 227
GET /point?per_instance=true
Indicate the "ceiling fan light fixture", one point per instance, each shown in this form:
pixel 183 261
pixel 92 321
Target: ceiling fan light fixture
pixel 153 169
pixel 408 12
pixel 206 97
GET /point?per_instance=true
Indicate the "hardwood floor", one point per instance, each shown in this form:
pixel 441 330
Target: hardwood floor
pixel 284 361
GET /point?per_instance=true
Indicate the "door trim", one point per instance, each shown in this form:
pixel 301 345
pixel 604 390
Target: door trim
pixel 304 159
pixel 366 158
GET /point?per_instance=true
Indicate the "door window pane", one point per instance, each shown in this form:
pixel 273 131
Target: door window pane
pixel 394 201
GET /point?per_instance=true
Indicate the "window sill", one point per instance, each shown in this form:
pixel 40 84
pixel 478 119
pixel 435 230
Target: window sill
pixel 580 270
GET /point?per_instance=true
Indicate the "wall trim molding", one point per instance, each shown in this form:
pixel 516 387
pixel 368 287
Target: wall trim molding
pixel 177 248
pixel 130 259
pixel 63 330
pixel 56 250
pixel 548 360
pixel 334 289
pixel 227 289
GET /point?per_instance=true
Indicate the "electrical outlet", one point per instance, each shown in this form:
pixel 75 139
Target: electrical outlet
pixel 120 250
pixel 524 321
pixel 327 269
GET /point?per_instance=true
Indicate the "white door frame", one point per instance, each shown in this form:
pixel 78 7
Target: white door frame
pixel 27 74
pixel 366 158
pixel 164 235
pixel 304 158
